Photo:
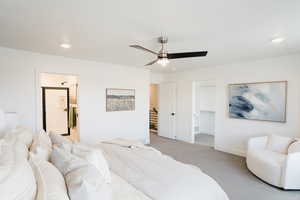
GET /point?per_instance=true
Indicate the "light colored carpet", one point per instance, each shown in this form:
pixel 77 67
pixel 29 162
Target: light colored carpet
pixel 228 170
pixel 205 139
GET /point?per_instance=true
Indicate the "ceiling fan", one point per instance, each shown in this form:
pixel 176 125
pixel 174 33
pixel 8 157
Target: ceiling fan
pixel 163 56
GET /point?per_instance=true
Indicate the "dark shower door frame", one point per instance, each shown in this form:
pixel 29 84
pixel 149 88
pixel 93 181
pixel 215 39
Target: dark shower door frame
pixel 44 106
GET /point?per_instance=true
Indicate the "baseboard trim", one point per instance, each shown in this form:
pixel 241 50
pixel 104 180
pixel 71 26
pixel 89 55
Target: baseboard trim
pixel 237 152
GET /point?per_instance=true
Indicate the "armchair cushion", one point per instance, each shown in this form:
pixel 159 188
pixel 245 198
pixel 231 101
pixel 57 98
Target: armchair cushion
pixel 267 165
pixel 294 147
pixel 279 144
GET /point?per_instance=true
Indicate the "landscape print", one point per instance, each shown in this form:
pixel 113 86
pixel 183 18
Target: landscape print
pixel 258 101
pixel 120 100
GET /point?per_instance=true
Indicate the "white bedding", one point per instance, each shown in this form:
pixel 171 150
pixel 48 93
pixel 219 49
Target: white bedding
pixel 122 190
pixel 160 177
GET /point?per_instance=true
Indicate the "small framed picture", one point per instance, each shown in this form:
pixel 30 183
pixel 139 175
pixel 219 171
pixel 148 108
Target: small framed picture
pixel 120 100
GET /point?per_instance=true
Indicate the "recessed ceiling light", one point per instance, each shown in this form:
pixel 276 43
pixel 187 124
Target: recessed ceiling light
pixel 278 40
pixel 65 46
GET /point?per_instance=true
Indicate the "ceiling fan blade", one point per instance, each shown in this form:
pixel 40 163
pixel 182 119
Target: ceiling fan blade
pixel 143 48
pixel 151 63
pixel 187 54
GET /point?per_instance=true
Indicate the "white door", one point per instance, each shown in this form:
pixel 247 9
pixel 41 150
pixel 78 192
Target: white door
pixel 56 110
pixel 167 110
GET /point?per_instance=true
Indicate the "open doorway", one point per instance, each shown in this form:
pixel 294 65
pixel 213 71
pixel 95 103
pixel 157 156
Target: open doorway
pixel 204 113
pixel 153 109
pixel 60 104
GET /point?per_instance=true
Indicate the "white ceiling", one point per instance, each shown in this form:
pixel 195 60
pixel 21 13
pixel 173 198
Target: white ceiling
pixel 102 30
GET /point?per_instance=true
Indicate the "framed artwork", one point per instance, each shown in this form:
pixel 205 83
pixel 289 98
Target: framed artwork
pixel 120 100
pixel 265 101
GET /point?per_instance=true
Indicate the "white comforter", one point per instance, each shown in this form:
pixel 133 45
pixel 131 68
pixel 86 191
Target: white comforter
pixel 122 190
pixel 158 176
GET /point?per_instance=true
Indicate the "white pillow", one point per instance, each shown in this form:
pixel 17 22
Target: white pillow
pixel 9 138
pixel 19 146
pixel 23 135
pixel 95 157
pixel 2 122
pixel 59 140
pixel 83 180
pixel 294 147
pixel 41 145
pixel 12 121
pixel 17 181
pixel 279 144
pixel 50 182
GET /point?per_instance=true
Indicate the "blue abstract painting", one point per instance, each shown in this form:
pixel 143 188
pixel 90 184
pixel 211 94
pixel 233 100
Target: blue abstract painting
pixel 258 101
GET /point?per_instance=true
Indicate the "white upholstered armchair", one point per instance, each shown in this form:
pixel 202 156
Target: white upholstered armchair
pixel 276 160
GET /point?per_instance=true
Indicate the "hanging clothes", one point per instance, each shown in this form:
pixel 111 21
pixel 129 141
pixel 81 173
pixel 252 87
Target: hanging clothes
pixel 73 116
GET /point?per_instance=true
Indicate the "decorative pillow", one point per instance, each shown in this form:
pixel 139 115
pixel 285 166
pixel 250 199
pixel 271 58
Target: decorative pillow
pixel 42 146
pixel 279 144
pixel 95 157
pixel 50 182
pixel 294 147
pixel 16 176
pixel 59 140
pixel 83 180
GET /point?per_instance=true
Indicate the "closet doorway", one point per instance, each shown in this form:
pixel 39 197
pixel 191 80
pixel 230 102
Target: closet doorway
pixel 153 109
pixel 60 104
pixel 204 112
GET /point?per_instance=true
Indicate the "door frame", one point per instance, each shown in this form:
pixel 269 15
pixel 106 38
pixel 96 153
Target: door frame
pixel 44 106
pixel 38 111
pixel 201 83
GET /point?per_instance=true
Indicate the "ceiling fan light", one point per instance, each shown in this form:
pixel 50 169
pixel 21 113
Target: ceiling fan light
pixel 163 61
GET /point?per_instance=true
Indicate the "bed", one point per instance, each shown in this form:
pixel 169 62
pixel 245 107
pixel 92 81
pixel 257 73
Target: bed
pixel 159 176
pixel 122 190
pixel 138 172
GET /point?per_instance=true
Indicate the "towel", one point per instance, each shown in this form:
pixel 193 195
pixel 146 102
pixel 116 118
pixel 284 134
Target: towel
pixel 73 117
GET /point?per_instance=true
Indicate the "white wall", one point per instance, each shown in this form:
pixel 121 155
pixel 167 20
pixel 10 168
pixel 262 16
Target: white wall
pixel 19 92
pixel 232 134
pixel 157 78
